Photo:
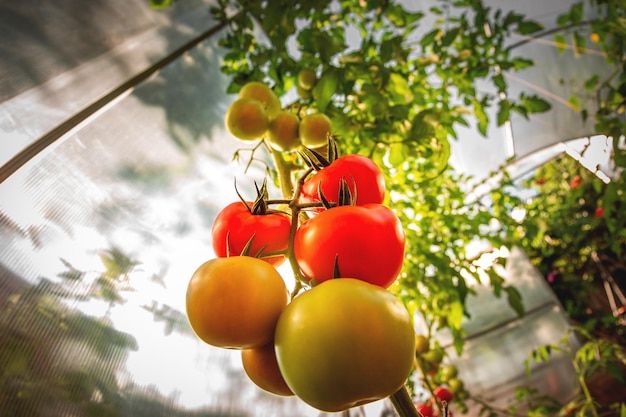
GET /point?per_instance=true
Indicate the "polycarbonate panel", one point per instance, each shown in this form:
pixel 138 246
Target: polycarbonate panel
pixel 99 237
pixel 492 364
pixel 57 58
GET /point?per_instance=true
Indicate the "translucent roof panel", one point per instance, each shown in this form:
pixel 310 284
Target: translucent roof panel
pixel 59 58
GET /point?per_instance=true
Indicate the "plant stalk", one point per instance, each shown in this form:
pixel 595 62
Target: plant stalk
pixel 403 403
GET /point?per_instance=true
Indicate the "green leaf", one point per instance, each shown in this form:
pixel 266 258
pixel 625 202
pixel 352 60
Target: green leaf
pixel 325 89
pixel 396 15
pixel 576 13
pixel 535 104
pixel 515 300
pixel 160 4
pixel 504 113
pixel 528 27
pixel 500 82
pixel 396 155
pixel 455 314
pixel 520 63
pixel 398 88
pixel 481 116
pixel 580 43
pixel 574 102
pixel 449 37
pixel 430 37
pixel 560 41
pixel 592 82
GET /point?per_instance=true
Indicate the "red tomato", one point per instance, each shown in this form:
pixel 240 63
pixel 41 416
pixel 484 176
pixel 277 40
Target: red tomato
pixel 235 225
pixel 425 410
pixel 361 174
pixel 367 242
pixel 443 394
pixel 575 182
pixel 599 213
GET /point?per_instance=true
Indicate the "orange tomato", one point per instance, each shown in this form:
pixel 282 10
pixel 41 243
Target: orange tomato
pixel 262 368
pixel 235 302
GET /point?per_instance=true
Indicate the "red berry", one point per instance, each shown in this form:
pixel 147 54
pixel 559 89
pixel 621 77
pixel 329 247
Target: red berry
pixel 425 410
pixel 599 213
pixel 575 182
pixel 443 394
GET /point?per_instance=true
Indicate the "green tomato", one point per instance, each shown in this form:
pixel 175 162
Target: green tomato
pixel 344 343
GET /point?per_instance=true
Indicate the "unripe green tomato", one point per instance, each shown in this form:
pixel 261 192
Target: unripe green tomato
pixel 315 129
pixel 262 92
pixel 283 131
pixel 246 119
pixel 433 356
pixel 306 78
pixel 455 385
pixel 448 372
pixel 344 343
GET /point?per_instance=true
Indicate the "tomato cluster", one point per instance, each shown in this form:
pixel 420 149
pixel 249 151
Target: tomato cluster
pixel 257 112
pixel 340 339
pixel 443 380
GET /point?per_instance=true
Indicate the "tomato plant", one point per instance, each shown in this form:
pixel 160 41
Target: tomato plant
pixel 235 302
pixel 332 340
pixel 238 224
pixel 364 178
pixel 364 242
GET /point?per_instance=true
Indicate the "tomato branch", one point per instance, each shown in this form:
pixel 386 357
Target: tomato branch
pixel 403 403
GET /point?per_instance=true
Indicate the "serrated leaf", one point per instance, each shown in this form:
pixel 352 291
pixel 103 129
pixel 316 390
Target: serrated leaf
pixel 500 82
pixel 535 104
pixel 325 89
pixel 504 113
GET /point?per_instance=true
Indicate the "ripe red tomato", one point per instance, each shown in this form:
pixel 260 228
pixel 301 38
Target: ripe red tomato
pixel 425 410
pixel 344 343
pixel 236 224
pixel 599 214
pixel 362 175
pixel 367 242
pixel 443 394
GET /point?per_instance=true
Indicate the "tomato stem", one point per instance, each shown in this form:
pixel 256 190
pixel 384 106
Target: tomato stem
pixel 403 403
pixel 291 196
